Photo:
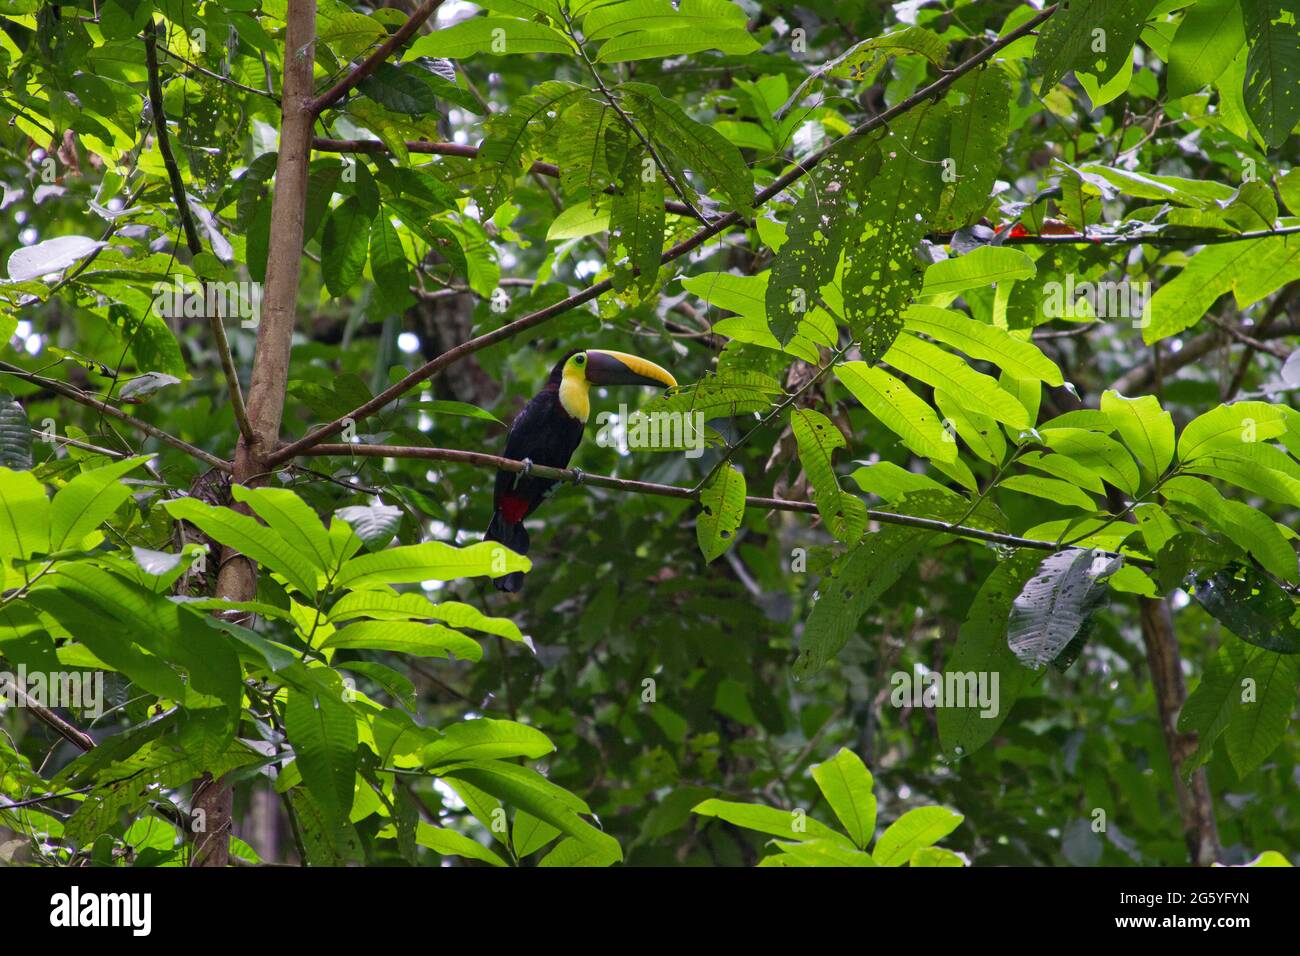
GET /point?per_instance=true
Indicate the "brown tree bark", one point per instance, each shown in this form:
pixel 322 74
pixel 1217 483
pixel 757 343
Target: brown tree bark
pixel 1195 804
pixel 237 580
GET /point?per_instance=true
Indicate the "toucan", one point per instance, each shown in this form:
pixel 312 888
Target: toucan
pixel 548 431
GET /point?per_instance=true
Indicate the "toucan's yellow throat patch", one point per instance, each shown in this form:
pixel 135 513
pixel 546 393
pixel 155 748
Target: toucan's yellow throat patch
pixel 575 390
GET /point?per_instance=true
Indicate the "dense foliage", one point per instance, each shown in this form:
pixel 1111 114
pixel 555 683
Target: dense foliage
pixel 988 309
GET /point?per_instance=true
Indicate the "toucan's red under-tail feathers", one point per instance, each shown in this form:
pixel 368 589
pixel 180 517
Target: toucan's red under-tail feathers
pixel 514 536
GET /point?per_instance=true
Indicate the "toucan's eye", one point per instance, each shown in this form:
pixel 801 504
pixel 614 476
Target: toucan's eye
pixel 582 359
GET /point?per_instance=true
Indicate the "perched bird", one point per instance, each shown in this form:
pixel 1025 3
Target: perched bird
pixel 548 431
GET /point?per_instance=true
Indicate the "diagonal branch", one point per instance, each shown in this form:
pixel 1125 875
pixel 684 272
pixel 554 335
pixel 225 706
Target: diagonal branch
pixel 77 395
pixel 432 367
pixel 573 476
pixel 372 62
pixel 192 240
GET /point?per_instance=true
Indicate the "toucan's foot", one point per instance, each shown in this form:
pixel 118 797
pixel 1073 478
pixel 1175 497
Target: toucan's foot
pixel 578 476
pixel 524 472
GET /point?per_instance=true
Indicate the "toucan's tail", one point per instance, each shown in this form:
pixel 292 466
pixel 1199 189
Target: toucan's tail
pixel 513 536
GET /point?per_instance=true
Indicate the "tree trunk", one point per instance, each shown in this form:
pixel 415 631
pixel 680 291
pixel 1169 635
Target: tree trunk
pixel 1194 802
pixel 237 580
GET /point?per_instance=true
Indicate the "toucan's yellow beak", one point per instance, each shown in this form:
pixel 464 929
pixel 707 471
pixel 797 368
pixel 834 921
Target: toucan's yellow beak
pixel 620 368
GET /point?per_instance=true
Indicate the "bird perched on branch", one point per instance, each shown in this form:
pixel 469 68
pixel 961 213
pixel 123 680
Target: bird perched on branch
pixel 548 431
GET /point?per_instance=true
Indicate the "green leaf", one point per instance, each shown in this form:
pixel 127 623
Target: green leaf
pixel 898 409
pixel 500 36
pixel 1088 38
pixel 344 246
pixel 1097 453
pixel 387 606
pixel 1049 489
pixel 510 134
pixel 405 637
pixel 431 561
pixel 1018 358
pixel 578 221
pixel 260 543
pixel 1053 607
pixel 636 225
pixel 823 853
pixel 844 513
pixel 352 33
pixel 854 584
pixel 846 784
pixel 1230 427
pixel 788 824
pixel 889 481
pixel 87 500
pixel 461 409
pixel 1247 526
pixel 699 147
pixel 388 265
pixel 529 834
pixel 935 856
pixel 1147 430
pixel 291 518
pixel 24 515
pixel 722 509
pixel 981 649
pixel 1208 40
pixel 484 739
pixel 323 732
pixel 1249 693
pixel 528 790
pixel 641 29
pixel 1261 724
pixel 982 267
pixel 917 828
pixel 446 842
pixel 675 41
pixel 399 90
pixel 937 368
pixel 1272 67
pixel 571 852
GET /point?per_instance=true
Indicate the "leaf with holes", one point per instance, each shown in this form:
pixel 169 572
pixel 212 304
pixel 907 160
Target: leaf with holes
pixel 845 513
pixel 722 509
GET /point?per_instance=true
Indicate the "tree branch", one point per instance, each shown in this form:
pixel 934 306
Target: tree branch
pixel 192 241
pixel 573 476
pixel 1192 351
pixel 372 62
pixel 68 391
pixel 432 367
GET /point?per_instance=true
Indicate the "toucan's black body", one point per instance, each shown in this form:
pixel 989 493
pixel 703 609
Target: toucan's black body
pixel 548 431
pixel 545 434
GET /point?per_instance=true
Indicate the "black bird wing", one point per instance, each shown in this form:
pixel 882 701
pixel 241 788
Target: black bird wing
pixel 547 435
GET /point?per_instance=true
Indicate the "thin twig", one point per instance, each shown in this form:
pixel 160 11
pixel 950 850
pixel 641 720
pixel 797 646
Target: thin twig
pixel 68 391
